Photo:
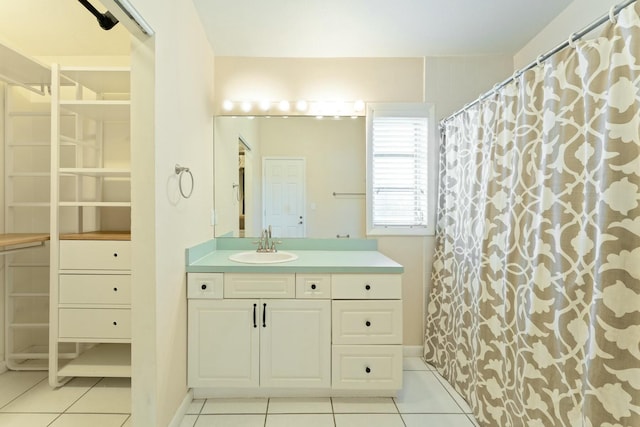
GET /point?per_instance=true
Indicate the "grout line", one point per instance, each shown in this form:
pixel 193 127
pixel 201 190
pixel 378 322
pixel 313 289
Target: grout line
pixel 25 392
pixel 54 420
pixel 125 420
pixel 81 396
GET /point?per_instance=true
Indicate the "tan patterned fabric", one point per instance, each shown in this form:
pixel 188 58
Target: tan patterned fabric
pixel 534 312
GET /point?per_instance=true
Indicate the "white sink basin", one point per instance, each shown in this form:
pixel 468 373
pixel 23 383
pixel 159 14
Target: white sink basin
pixel 254 257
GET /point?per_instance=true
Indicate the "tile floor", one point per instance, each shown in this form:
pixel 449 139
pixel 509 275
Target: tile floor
pixel 426 400
pixel 26 400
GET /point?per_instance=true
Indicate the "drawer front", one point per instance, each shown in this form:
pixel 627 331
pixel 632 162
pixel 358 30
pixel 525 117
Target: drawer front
pixel 259 285
pixel 365 367
pixel 95 255
pixel 95 289
pixel 205 285
pixel 366 286
pixel 367 322
pixel 88 323
pixel 313 286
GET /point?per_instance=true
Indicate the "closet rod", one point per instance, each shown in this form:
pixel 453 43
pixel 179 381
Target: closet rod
pixel 613 12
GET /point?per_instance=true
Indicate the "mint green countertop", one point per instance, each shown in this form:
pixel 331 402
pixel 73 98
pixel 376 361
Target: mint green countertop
pixel 314 256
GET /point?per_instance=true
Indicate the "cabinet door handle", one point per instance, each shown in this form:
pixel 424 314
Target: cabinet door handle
pixel 115 254
pixel 203 286
pixel 367 323
pixel 255 325
pixel 313 286
pixel 264 315
pixel 367 370
pixel 115 323
pixel 367 287
pixel 115 289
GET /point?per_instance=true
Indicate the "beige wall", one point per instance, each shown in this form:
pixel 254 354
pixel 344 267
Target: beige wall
pixel 172 122
pixel 575 17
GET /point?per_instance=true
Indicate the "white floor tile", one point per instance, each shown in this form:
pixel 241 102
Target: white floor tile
pixel 456 396
pixel 196 406
pixel 26 420
pixel 364 405
pixel 93 420
pixel 189 420
pixel 14 383
pixel 300 405
pixel 368 420
pixel 109 396
pixel 423 393
pixel 299 420
pixel 43 398
pixel 439 420
pixel 414 364
pixel 230 421
pixel 235 406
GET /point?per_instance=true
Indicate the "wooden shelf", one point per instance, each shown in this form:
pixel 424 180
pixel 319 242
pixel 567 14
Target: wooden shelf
pixel 12 239
pixel 103 360
pixel 90 204
pixel 97 172
pixel 20 69
pixel 98 235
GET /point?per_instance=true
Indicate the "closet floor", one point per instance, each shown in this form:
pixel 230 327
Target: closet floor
pixel 426 399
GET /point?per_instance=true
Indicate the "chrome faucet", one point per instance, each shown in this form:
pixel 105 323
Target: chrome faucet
pixel 266 242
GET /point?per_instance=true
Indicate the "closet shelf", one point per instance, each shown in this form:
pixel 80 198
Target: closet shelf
pixel 97 172
pixel 107 111
pixel 11 239
pixel 28 204
pixel 98 235
pixel 29 294
pixel 19 69
pixel 100 80
pixel 95 204
pixel 103 360
pixel 24 325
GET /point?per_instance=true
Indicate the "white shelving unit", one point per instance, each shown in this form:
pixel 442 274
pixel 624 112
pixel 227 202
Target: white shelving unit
pixel 26 122
pixel 90 222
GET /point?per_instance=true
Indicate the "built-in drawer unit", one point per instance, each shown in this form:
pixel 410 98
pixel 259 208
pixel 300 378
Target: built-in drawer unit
pixel 366 286
pixel 205 285
pixel 363 367
pixel 246 285
pixel 91 325
pixel 367 322
pixel 313 286
pixel 95 255
pixel 97 289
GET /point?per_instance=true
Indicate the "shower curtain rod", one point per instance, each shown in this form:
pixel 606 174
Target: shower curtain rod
pixel 613 12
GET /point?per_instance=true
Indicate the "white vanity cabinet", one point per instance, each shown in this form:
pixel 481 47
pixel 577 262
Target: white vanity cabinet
pixel 334 334
pixel 257 334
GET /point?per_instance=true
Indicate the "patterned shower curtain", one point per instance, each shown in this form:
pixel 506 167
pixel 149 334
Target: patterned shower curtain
pixel 534 310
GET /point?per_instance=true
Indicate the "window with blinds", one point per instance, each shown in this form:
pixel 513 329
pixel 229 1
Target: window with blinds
pixel 398 187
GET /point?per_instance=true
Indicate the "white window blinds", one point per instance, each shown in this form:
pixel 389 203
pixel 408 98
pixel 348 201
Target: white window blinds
pixel 398 160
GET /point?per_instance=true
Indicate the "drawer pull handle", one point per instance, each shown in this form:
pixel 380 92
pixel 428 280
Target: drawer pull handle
pixel 313 286
pixel 367 323
pixel 203 286
pixel 115 323
pixel 115 289
pixel 367 287
pixel 367 370
pixel 115 254
pixel 264 315
pixel 255 325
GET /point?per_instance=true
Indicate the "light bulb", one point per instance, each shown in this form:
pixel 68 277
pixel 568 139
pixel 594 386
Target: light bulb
pixel 265 104
pixel 245 106
pixel 302 105
pixel 284 105
pixel 227 105
pixel 358 106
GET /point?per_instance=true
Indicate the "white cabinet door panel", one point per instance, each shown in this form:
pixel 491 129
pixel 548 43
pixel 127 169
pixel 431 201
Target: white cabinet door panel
pixel 223 341
pixel 295 344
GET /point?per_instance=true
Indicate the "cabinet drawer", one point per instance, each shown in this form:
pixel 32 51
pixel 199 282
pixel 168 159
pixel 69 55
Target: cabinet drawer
pixel 205 285
pixel 240 285
pixel 89 323
pixel 95 255
pixel 366 286
pixel 310 286
pixel 95 289
pixel 365 367
pixel 367 322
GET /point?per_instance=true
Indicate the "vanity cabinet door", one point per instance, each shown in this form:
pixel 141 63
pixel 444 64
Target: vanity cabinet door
pixel 223 343
pixel 295 343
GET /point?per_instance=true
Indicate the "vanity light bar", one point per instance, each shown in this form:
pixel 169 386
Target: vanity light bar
pixel 300 108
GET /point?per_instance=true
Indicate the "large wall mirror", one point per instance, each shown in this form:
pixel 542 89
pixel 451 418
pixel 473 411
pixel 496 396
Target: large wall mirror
pixel 305 176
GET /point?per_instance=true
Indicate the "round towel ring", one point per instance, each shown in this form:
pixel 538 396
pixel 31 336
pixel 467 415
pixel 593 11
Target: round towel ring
pixel 180 171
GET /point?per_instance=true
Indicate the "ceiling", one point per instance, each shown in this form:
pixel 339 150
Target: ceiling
pixel 373 28
pixel 299 28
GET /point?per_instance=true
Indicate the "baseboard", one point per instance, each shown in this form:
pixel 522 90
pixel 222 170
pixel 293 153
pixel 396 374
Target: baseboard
pixel 3 367
pixel 412 351
pixel 176 421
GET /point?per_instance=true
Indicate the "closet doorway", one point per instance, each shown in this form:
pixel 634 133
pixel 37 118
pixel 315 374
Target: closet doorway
pixel 284 196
